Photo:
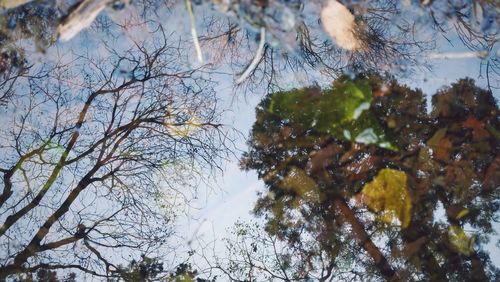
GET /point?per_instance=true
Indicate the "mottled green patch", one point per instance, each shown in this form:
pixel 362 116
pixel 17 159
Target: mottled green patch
pixel 342 111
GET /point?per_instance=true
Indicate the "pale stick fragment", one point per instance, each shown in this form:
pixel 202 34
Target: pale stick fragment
pixel 256 58
pixel 9 4
pixel 81 18
pixel 194 34
pixel 459 55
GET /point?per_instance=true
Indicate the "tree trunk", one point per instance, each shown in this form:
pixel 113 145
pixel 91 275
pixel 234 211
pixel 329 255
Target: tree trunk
pixel 365 241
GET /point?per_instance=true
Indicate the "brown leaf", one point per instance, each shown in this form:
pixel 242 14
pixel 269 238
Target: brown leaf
pixel 321 158
pixel 440 144
pixel 442 150
pixel 358 169
pixel 286 132
pixel 410 248
pixel 455 211
pixel 492 177
pixel 478 128
pixel 355 147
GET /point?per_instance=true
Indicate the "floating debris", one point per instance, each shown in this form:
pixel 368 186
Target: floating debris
pixel 194 34
pixel 340 24
pixel 256 58
pixel 9 4
pixel 83 16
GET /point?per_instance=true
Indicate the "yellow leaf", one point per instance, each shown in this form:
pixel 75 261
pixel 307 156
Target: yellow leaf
pixel 460 241
pixel 182 122
pixel 298 181
pixel 387 194
pixel 462 213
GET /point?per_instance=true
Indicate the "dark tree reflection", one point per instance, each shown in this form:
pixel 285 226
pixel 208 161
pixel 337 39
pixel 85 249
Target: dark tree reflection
pixel 377 203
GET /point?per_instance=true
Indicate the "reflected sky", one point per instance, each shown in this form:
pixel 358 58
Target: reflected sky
pixel 245 50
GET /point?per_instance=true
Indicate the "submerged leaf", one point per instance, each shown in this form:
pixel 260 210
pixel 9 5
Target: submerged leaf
pixel 462 213
pixel 299 182
pixel 460 241
pixel 182 123
pixel 440 144
pixel 80 19
pixel 478 128
pixel 387 194
pixel 340 24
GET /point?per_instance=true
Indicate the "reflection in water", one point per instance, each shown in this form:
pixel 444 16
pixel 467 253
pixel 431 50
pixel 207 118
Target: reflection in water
pixel 373 206
pixel 101 136
pixel 83 149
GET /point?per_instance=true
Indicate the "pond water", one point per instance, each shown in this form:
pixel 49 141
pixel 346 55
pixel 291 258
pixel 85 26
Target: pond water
pixel 250 140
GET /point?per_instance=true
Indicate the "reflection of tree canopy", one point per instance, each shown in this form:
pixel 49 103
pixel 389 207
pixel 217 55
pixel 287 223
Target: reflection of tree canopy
pixel 326 186
pixel 94 158
pixel 116 123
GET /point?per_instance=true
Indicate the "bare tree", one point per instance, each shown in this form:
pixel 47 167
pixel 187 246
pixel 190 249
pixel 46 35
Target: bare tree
pixel 252 254
pixel 95 152
pixel 475 24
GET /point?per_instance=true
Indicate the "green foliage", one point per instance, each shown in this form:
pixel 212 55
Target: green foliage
pixel 342 111
pixel 449 158
pixel 147 269
pixel 151 269
pixel 185 273
pixel 45 275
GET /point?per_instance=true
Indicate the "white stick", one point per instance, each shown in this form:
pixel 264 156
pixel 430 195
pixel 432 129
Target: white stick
pixel 256 59
pixel 81 18
pixel 194 34
pixel 458 55
pixel 9 4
